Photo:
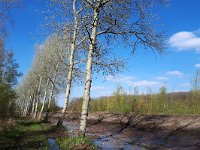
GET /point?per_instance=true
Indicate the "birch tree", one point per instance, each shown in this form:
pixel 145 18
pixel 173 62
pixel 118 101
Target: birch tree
pixel 75 43
pixel 47 75
pixel 114 20
pixel 72 16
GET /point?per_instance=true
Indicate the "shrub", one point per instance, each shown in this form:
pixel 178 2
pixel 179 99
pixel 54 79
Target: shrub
pixel 7 101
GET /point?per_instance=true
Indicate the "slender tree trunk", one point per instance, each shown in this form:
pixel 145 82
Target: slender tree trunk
pixel 44 99
pixel 52 89
pixel 71 67
pixel 30 105
pixel 38 95
pixel 36 108
pixel 33 105
pixel 51 95
pixel 34 102
pixel 49 104
pixel 70 77
pixel 25 109
pixel 86 97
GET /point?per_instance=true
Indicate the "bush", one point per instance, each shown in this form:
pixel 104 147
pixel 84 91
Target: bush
pixel 7 101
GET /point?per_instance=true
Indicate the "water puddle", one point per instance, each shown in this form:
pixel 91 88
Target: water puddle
pixel 103 141
pixel 106 137
pixel 108 142
pixel 139 141
pixel 72 128
pixel 53 145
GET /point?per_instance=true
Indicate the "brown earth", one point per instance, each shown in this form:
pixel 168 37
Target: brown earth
pixel 145 131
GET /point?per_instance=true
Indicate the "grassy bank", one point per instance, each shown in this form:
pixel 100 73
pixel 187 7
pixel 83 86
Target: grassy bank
pixel 77 143
pixel 35 135
pixel 25 135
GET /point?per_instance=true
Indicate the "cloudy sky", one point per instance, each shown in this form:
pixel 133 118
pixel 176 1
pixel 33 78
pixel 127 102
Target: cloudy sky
pixel 174 69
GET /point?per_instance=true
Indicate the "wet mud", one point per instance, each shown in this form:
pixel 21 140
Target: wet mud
pixel 115 131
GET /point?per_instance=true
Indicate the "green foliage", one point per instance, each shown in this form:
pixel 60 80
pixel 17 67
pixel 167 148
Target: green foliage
pixel 76 104
pixel 7 101
pixel 8 67
pixel 160 103
pixel 10 70
pixel 53 107
pixel 33 134
pixel 75 143
pixel 33 126
pixel 8 78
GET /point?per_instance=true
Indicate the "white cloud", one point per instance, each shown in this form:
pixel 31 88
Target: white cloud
pixel 185 85
pixel 185 41
pixel 175 73
pixel 97 88
pixel 162 78
pixel 124 79
pixel 197 65
pixel 97 91
pixel 146 83
pixel 129 80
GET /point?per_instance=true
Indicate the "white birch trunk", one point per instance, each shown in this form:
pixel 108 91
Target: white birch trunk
pixel 73 48
pixel 33 104
pixel 86 97
pixel 51 94
pixel 44 99
pixel 52 89
pixel 25 109
pixel 38 94
pixel 71 66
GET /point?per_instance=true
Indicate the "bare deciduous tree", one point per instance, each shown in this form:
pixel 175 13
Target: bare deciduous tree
pixel 46 77
pixel 113 20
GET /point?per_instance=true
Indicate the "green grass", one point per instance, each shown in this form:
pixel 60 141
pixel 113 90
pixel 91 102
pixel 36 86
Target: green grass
pixel 76 143
pixel 34 135
pixel 26 135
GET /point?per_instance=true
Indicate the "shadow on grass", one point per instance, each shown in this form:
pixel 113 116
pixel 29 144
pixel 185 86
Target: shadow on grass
pixel 25 135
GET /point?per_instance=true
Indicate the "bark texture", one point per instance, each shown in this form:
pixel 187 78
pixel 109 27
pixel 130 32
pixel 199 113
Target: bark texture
pixel 86 97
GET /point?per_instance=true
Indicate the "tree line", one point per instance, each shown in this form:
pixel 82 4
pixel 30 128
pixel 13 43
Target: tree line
pixel 161 103
pixel 84 38
pixel 8 65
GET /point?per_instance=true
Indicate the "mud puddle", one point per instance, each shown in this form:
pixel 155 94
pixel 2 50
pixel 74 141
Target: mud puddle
pixel 103 140
pixel 52 144
pixel 110 136
pixel 113 136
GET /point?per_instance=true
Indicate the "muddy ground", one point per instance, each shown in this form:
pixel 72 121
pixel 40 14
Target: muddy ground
pixel 116 131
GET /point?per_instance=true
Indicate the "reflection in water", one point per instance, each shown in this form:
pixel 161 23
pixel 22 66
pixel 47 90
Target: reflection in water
pixel 53 145
pixel 72 128
pixel 108 142
pixel 105 142
pixel 137 139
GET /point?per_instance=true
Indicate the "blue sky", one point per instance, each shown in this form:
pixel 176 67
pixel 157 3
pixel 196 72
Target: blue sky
pixel 174 69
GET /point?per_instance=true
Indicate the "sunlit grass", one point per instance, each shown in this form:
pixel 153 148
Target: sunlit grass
pixel 76 143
